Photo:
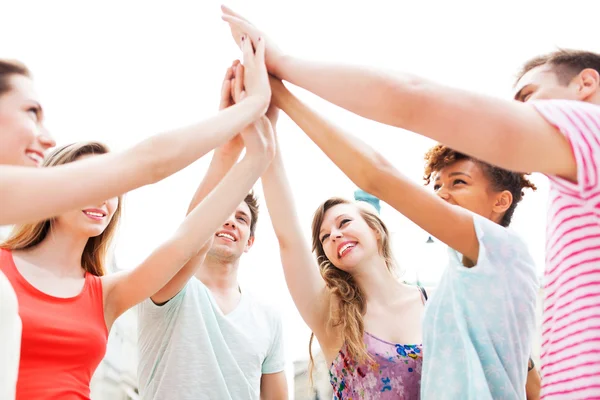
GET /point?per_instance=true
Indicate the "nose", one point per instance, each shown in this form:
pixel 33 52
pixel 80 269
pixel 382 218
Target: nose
pixel 336 234
pixel 230 222
pixel 46 140
pixel 443 194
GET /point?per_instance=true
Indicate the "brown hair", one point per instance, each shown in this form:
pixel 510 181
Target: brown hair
pixel 348 311
pixel 440 156
pixel 8 68
pixel 29 235
pixel 564 62
pixel 252 201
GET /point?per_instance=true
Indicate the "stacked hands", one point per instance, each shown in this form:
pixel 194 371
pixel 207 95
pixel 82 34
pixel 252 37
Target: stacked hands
pixel 251 80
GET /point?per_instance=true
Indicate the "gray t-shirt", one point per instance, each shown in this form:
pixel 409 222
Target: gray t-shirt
pixel 189 350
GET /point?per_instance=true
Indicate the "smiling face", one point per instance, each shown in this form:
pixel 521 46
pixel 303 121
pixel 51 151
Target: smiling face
pixel 234 237
pixel 22 133
pixel 345 237
pixel 90 221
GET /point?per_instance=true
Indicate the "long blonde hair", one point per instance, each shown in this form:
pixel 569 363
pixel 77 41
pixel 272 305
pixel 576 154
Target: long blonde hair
pixel 29 235
pixel 348 312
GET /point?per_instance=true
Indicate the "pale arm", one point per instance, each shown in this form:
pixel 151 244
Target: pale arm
pixel 300 268
pixel 375 175
pixel 98 178
pixel 509 134
pixel 128 288
pixel 223 159
pixel 273 386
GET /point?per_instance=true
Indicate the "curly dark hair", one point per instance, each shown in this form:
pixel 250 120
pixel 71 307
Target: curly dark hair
pixel 440 156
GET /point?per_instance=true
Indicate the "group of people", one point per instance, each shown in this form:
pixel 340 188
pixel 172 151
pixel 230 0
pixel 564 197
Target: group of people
pixel 201 336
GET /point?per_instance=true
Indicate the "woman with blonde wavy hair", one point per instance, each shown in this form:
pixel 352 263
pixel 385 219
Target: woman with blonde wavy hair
pixel 367 322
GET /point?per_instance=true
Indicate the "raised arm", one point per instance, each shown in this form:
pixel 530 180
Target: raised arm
pixel 509 134
pixel 68 187
pixel 125 289
pixel 304 281
pixel 374 174
pixel 223 159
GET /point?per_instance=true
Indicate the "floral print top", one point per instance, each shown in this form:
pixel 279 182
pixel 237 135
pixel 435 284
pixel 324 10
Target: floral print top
pixel 394 373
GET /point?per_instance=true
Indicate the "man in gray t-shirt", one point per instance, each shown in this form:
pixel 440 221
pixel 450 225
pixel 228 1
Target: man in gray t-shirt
pixel 201 336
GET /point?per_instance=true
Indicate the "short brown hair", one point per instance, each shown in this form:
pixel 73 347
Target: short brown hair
pixel 9 68
pixel 501 179
pixel 565 63
pixel 252 201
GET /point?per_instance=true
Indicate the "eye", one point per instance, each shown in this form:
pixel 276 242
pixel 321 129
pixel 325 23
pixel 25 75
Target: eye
pixel 324 237
pixel 458 181
pixel 242 219
pixel 344 222
pixel 526 97
pixel 436 187
pixel 33 112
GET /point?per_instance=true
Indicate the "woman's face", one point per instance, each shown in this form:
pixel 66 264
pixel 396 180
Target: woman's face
pixel 24 138
pixel 89 221
pixel 346 238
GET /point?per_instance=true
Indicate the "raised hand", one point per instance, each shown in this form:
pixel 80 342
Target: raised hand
pixel 240 26
pixel 231 92
pixel 256 78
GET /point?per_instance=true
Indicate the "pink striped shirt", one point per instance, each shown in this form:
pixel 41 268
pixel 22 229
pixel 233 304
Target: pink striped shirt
pixel 571 319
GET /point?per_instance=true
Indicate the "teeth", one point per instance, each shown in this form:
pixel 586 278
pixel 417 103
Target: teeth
pixel 344 248
pixel 226 235
pixel 35 157
pixel 94 214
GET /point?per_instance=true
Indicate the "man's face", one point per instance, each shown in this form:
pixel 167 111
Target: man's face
pixel 541 83
pixel 233 238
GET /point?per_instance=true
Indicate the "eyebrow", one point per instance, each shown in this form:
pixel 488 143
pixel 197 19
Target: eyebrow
pixel 519 94
pixel 244 214
pixel 336 219
pixel 451 174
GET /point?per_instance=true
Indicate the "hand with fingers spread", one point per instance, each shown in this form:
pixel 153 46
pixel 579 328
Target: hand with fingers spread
pixel 241 26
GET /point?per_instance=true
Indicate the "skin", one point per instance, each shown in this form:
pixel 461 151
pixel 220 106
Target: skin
pixel 516 136
pixel 68 187
pixel 342 224
pixel 218 264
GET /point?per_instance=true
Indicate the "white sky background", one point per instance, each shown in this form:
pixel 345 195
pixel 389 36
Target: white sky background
pixel 120 71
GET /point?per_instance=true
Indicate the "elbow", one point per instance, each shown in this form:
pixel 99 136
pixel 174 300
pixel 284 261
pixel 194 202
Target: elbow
pixel 372 177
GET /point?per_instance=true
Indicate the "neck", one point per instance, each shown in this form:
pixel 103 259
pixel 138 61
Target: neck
pixel 377 282
pixel 60 252
pixel 218 274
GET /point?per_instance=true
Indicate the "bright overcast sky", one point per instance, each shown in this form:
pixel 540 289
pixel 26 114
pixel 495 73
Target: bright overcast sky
pixel 118 71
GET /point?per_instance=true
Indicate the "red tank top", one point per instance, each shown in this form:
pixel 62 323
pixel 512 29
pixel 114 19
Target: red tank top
pixel 64 339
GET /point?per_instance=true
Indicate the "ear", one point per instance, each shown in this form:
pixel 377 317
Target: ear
pixel 588 82
pixel 503 202
pixel 249 244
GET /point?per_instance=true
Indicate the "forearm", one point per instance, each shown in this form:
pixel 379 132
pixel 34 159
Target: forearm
pixel 509 134
pixel 374 174
pixel 220 164
pixel 101 177
pixel 206 218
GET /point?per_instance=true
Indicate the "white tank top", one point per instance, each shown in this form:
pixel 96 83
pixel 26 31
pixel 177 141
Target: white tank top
pixel 10 339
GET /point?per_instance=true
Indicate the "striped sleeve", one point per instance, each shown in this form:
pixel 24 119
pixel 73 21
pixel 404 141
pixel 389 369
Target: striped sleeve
pixel 580 123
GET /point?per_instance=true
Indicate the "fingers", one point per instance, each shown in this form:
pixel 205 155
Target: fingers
pixel 238 83
pixel 229 11
pixel 226 90
pixel 260 50
pixel 240 24
pixel 248 52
